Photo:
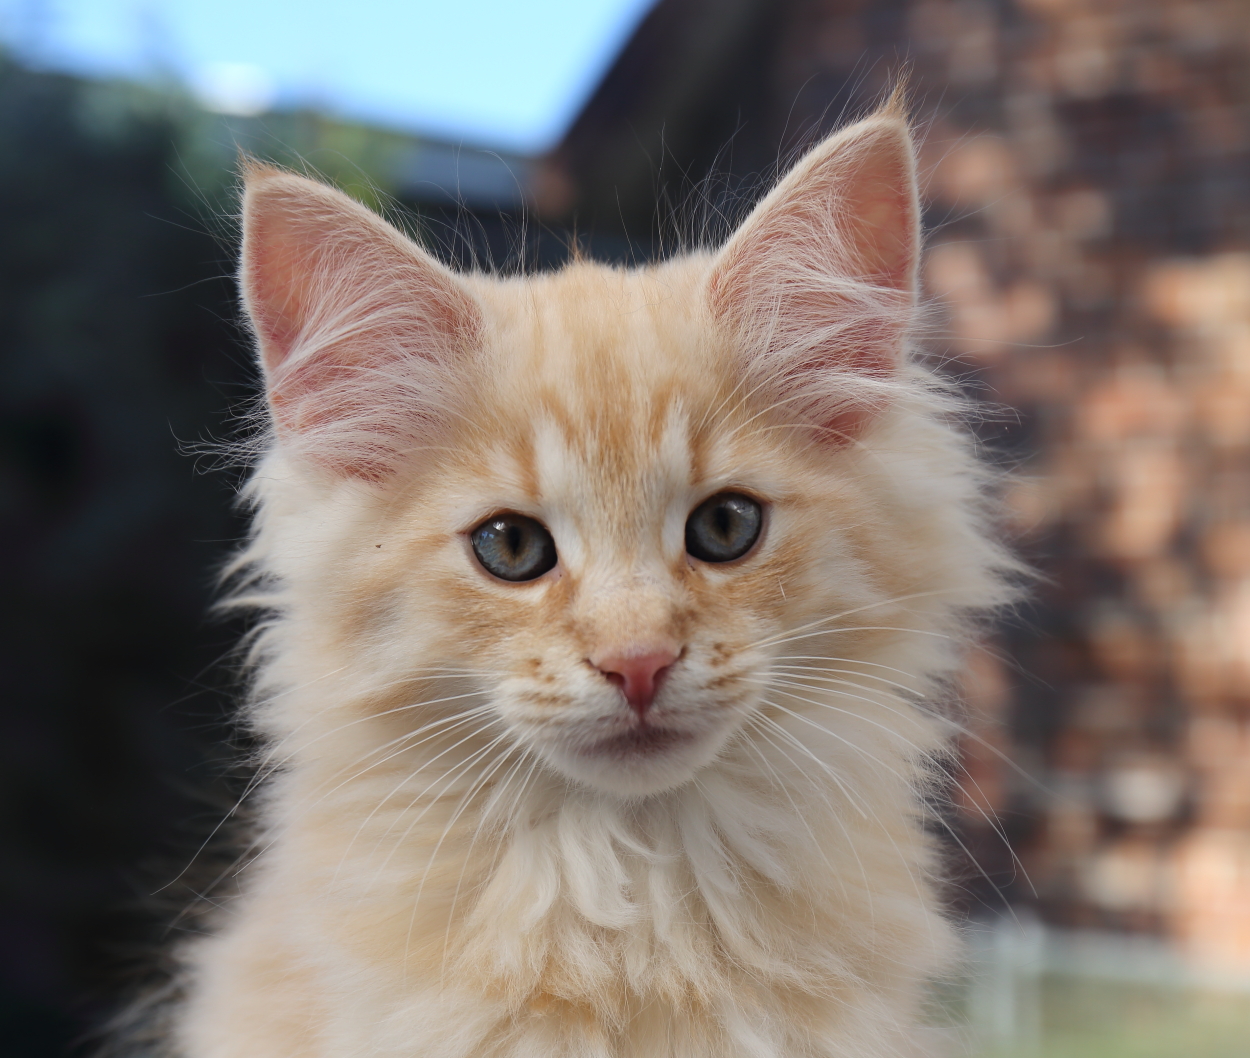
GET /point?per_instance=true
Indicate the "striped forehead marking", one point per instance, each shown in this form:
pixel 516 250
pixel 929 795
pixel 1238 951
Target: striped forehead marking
pixel 573 459
pixel 605 489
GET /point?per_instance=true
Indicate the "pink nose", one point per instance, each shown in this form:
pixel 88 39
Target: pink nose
pixel 638 675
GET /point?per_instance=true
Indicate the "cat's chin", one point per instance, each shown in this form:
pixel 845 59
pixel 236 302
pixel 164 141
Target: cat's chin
pixel 639 762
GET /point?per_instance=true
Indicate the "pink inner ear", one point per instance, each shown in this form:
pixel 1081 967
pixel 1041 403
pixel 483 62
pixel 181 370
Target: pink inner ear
pixel 882 210
pixel 274 289
pixel 358 328
pixel 820 280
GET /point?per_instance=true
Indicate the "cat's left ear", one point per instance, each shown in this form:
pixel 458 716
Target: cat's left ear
pixel 362 335
pixel 818 286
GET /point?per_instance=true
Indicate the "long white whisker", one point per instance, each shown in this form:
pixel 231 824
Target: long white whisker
pixel 367 717
pixel 248 789
pixel 451 776
pixel 447 726
pixel 891 601
pixel 405 745
pixel 860 628
pixel 911 875
pixel 847 661
pixel 785 789
pixel 434 672
pixel 477 784
pixel 993 823
pixel 404 741
pixel 829 770
pixel 941 822
pixel 954 725
pixel 876 818
pixel 464 866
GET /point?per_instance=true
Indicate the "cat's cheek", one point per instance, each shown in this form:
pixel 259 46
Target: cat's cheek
pixel 730 597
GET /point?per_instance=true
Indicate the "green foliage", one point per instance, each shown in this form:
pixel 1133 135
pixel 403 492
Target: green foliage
pixel 1085 1018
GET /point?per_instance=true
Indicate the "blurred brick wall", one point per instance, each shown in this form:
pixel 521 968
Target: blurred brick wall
pixel 1088 203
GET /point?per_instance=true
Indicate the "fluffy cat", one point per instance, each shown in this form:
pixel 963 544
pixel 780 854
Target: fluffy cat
pixel 601 607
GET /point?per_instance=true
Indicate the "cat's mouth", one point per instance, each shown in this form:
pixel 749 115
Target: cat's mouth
pixel 641 741
pixel 636 759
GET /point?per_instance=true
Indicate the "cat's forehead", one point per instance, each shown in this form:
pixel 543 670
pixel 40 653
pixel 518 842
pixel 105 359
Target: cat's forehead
pixel 591 327
pixel 592 461
pixel 609 376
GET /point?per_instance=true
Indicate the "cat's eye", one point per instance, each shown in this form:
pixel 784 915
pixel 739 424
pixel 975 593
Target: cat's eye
pixel 724 527
pixel 513 547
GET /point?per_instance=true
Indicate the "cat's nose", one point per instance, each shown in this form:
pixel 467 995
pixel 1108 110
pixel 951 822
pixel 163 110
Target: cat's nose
pixel 637 675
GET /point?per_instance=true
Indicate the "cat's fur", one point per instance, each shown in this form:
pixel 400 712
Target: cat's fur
pixel 452 864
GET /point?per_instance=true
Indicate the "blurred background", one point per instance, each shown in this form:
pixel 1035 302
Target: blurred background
pixel 1087 182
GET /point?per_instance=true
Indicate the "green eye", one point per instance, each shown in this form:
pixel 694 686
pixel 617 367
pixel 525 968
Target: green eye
pixel 513 547
pixel 724 527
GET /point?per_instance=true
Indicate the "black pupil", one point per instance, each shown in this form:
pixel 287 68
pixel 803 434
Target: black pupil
pixel 724 527
pixel 514 547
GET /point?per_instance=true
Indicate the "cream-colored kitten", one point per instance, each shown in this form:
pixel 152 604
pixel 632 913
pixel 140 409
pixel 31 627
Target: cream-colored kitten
pixel 602 605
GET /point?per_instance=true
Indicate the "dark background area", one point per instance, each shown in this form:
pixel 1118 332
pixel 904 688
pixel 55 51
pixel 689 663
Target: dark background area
pixel 120 346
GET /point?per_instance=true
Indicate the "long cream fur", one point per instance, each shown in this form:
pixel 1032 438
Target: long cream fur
pixel 446 866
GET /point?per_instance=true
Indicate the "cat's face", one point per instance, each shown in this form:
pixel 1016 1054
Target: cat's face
pixel 600 493
pixel 618 538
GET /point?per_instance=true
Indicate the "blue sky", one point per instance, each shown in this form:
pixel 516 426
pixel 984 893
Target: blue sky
pixel 505 74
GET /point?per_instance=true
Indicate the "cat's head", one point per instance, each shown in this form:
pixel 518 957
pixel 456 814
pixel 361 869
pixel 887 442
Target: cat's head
pixel 609 493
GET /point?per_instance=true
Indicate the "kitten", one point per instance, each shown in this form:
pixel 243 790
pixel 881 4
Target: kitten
pixel 601 607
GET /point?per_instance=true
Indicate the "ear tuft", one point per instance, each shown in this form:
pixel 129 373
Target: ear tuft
pixel 818 286
pixel 896 105
pixel 359 331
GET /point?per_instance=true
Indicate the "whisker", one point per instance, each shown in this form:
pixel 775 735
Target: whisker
pixel 847 661
pixel 459 721
pixel 834 735
pixel 423 704
pixel 894 599
pixel 256 848
pixel 994 824
pixel 824 765
pixel 945 824
pixel 954 725
pixel 399 740
pixel 474 787
pixel 860 628
pixel 483 817
pixel 451 776
pixel 876 818
pixel 248 788
pixel 801 816
pixel 270 765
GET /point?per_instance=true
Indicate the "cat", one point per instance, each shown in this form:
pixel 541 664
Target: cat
pixel 600 611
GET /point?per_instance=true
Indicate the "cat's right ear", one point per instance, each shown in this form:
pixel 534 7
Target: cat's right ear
pixel 359 331
pixel 818 286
